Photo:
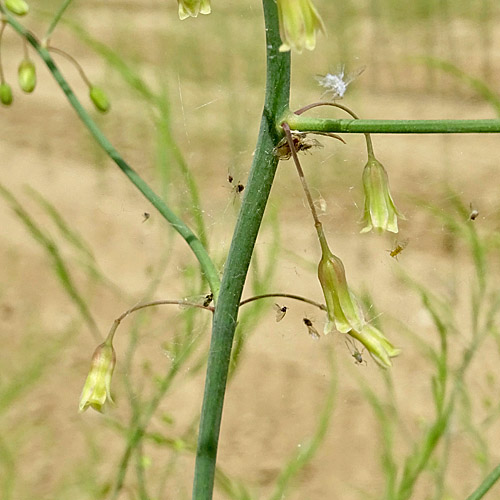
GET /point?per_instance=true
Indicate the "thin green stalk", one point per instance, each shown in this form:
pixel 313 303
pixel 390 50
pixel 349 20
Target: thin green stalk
pixel 236 268
pixel 208 268
pixel 285 296
pixel 57 18
pixel 486 485
pixel 2 29
pixel 369 145
pixel 140 423
pixel 62 270
pixel 306 124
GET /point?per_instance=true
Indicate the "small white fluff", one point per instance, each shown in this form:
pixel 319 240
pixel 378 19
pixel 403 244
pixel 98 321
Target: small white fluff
pixel 337 83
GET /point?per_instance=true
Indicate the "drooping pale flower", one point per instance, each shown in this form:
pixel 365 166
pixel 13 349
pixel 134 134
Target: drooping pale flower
pixel 299 21
pixel 97 386
pixel 379 347
pixel 380 211
pixel 344 311
pixel 191 8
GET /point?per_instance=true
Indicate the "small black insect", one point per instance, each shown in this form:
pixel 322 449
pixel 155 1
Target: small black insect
pixel 208 299
pixel 310 328
pixel 280 312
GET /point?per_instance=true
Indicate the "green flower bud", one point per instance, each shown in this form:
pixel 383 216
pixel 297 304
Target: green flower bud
pixel 380 211
pixel 5 94
pixel 97 386
pixel 18 7
pixel 99 99
pixel 27 75
pixel 299 21
pixel 191 8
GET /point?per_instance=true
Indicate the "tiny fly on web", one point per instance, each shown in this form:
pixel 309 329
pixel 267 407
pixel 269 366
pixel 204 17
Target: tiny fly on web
pixel 237 187
pixel 336 84
pixel 356 353
pixel 280 312
pixel 202 300
pixel 398 249
pixel 310 328
pixel 301 143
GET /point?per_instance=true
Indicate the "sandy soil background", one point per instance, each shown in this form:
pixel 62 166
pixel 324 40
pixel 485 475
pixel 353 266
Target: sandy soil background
pixel 211 71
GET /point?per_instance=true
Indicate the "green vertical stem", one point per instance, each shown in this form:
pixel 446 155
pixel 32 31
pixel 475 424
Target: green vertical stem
pixel 252 209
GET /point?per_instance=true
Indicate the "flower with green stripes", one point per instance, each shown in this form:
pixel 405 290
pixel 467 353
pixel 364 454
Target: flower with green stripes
pixel 191 8
pixel 299 21
pixel 97 388
pixel 380 211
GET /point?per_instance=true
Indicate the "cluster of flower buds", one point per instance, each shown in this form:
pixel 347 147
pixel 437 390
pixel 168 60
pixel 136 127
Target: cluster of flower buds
pixel 343 309
pixel 26 76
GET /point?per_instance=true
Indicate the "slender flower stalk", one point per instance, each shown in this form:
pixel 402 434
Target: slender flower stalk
pixel 299 21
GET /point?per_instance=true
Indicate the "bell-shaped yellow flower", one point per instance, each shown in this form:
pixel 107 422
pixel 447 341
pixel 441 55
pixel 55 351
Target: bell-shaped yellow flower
pixel 380 211
pixel 97 386
pixel 299 21
pixel 343 309
pixel 191 8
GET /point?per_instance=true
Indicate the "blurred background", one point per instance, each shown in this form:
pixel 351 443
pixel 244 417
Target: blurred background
pixel 79 246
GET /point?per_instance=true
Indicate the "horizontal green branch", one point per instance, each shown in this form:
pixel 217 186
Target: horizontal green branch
pixel 350 126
